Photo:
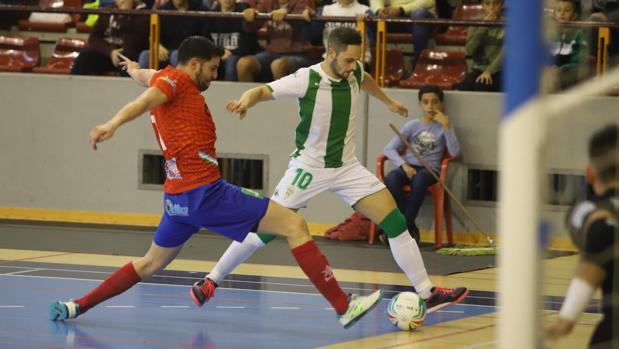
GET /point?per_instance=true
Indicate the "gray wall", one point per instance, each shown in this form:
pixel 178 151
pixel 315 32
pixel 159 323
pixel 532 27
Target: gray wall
pixel 47 163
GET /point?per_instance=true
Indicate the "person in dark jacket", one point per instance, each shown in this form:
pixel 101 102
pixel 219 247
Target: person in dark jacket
pixel 112 36
pixel 236 36
pixel 174 29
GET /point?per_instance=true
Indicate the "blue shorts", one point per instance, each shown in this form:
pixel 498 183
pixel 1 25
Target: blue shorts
pixel 220 207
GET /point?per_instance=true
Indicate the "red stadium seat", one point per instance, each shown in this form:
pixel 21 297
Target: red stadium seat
pixel 400 38
pixel 440 201
pixel 61 61
pixel 19 54
pixel 457 35
pixel 436 67
pixel 27 25
pixel 394 66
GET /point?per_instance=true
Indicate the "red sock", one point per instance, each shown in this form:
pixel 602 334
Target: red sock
pixel 315 265
pixel 117 283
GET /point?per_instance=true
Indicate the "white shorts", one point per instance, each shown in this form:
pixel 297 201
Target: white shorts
pixel 351 182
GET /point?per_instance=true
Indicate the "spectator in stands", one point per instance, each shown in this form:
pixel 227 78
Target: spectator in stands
pixel 210 4
pixel 344 8
pixel 415 9
pixel 603 11
pixel 155 4
pixel 112 36
pixel 485 46
pixel 568 45
pixel 429 135
pixel 174 29
pixel 10 18
pixel 235 36
pixel 286 47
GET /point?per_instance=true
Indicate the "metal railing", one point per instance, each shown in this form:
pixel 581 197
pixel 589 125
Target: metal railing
pixel 604 36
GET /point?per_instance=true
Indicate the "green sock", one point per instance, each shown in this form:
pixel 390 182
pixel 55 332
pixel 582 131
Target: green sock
pixel 394 223
pixel 266 238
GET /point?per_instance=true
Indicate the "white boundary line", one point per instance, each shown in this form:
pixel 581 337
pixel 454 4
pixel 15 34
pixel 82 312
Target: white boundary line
pixel 23 271
pixel 189 278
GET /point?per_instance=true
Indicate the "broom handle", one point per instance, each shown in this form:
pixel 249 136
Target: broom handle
pixel 438 179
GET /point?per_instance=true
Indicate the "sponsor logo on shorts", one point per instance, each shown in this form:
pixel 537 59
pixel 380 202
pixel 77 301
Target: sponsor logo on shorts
pixel 173 209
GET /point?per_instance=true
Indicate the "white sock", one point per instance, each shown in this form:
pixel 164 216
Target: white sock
pixel 237 253
pixel 406 253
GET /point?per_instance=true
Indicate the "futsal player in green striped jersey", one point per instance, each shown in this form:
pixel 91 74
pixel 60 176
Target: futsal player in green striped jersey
pixel 328 94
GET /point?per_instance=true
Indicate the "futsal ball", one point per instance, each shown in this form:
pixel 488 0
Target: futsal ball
pixel 407 311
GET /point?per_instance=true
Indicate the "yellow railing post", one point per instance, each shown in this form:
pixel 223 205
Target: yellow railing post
pixel 381 39
pixel 153 57
pixel 361 29
pixel 602 54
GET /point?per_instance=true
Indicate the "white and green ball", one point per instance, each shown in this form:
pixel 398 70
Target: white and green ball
pixel 407 311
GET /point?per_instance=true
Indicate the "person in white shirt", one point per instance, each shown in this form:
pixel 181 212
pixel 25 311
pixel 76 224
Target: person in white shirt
pixel 343 8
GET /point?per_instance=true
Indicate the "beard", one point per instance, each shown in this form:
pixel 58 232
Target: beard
pixel 336 70
pixel 203 85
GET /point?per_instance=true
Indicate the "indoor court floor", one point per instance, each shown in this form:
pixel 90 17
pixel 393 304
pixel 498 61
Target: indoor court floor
pixel 260 306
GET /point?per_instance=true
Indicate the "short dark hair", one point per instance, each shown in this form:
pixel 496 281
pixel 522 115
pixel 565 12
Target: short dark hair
pixel 198 47
pixel 341 37
pixel 430 89
pixel 575 4
pixel 604 153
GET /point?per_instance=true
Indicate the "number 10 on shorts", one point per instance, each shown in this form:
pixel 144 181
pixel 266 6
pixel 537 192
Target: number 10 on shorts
pixel 302 179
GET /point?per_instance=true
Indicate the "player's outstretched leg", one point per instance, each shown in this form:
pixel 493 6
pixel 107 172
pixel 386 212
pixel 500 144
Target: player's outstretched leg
pixel 121 280
pixel 237 253
pixel 282 221
pixel 381 208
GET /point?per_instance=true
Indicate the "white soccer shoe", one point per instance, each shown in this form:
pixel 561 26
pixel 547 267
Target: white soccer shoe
pixel 359 306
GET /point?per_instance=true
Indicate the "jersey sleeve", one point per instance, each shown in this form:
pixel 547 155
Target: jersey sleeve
pixel 293 85
pixel 359 73
pixel 168 84
pixel 599 242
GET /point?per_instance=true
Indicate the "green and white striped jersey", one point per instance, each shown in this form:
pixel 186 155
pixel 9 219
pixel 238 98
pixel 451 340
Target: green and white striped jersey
pixel 325 136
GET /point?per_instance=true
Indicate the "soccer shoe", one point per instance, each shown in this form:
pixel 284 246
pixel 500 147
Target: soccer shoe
pixel 442 297
pixel 59 311
pixel 359 306
pixel 202 291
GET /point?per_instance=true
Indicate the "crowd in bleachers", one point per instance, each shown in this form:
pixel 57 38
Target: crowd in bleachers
pixel 263 50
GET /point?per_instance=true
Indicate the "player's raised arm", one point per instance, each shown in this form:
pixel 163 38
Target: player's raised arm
pixel 248 99
pixel 370 86
pixel 141 76
pixel 151 98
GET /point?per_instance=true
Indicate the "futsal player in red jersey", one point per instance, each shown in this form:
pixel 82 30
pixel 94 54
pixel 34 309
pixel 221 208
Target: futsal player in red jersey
pixel 195 196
